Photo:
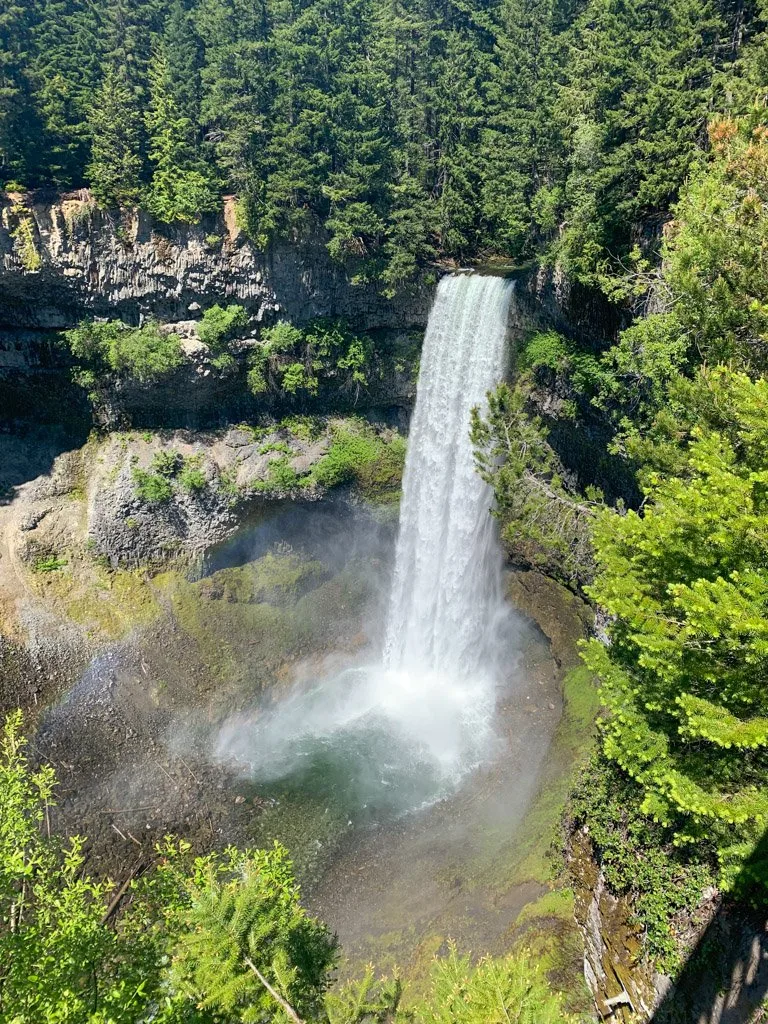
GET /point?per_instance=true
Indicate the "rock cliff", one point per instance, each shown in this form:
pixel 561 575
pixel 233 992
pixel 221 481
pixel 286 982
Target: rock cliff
pixel 78 259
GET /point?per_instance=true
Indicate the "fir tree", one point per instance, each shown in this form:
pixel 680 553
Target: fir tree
pixel 115 167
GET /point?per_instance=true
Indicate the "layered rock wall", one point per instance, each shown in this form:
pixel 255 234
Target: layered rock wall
pixel 78 260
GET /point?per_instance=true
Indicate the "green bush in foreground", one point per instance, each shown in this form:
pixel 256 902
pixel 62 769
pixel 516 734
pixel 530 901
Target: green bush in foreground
pixel 683 677
pixel 217 939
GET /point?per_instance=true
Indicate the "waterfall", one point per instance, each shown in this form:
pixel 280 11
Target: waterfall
pixel 403 732
pixel 447 584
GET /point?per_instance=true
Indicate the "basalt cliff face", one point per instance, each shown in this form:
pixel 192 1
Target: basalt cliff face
pixel 75 259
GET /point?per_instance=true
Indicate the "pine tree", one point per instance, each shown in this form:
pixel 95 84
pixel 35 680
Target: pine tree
pixel 519 142
pixel 248 947
pixel 683 674
pixel 237 85
pixel 66 72
pixel 20 130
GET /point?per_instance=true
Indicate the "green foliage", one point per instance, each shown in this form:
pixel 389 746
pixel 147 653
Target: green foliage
pixel 49 563
pixel 640 859
pixel 191 476
pixel 220 937
pixel 219 325
pixel 494 991
pixel 685 584
pixel 244 924
pixel 114 120
pixel 353 449
pixel 155 484
pixel 295 378
pixel 544 519
pixel 281 476
pixel 405 135
pixel 297 361
pixel 23 235
pixel 151 487
pixel 182 185
pixel 145 354
pixel 60 961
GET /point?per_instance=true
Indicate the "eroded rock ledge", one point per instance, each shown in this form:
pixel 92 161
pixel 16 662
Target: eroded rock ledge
pixel 88 260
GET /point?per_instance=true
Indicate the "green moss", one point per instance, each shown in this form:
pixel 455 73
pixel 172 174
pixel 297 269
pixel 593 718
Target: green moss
pixel 277 578
pixel 547 928
pixel 305 428
pixel 248 622
pixel 571 745
pixel 555 903
pixel 112 604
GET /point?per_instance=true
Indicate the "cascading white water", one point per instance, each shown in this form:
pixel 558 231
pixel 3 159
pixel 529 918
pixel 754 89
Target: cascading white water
pixel 402 733
pixel 447 586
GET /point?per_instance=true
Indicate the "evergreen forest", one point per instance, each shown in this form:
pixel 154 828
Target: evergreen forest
pixel 411 131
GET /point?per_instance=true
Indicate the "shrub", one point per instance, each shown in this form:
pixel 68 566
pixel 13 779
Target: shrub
pixel 219 325
pixel 256 378
pixel 24 237
pixel 639 857
pixel 358 453
pixel 143 353
pixel 283 337
pixel 295 378
pixel 281 477
pixel 146 354
pixel 192 478
pixel 167 464
pixel 151 486
pixel 297 359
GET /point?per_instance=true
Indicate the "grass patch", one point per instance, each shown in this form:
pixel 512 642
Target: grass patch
pixel 48 563
pixel 358 454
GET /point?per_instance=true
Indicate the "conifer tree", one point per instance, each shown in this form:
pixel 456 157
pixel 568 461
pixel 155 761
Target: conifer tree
pixel 114 171
pixel 66 70
pixel 237 85
pixel 181 187
pixel 683 675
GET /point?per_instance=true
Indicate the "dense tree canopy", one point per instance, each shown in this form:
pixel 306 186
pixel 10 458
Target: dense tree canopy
pixel 410 130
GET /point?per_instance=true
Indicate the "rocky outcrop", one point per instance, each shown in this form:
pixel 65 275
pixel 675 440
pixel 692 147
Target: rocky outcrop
pixel 615 968
pixel 545 297
pixel 82 260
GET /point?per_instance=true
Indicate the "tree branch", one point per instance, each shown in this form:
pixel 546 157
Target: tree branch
pixel 274 993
